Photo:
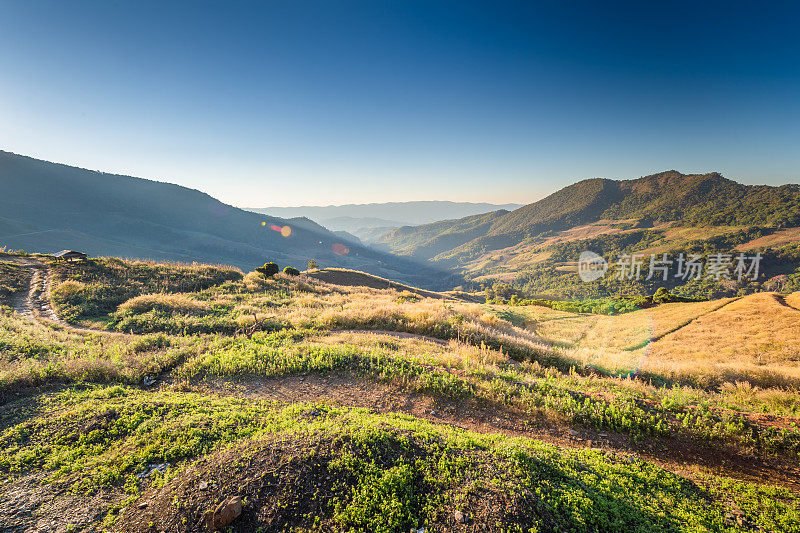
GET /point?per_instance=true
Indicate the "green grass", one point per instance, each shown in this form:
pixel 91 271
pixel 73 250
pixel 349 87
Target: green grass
pixel 391 472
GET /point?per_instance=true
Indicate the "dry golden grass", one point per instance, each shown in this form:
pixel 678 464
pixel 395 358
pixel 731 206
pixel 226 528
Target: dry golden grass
pixel 169 303
pixel 753 340
pixel 634 330
pixel 757 329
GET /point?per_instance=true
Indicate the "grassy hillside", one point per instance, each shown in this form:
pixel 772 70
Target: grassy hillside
pixel 328 407
pixel 48 207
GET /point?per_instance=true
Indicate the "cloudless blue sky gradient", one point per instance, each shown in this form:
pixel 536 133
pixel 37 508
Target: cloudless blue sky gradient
pixel 316 103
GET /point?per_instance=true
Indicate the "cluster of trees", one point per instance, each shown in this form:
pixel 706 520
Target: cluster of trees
pixel 270 269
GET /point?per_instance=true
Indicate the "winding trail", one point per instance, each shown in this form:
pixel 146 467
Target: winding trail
pixel 37 304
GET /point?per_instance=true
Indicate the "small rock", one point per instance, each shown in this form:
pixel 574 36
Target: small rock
pixel 459 516
pixel 203 485
pixel 148 381
pixel 143 505
pixel 225 513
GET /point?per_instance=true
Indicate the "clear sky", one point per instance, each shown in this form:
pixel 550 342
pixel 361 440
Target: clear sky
pixel 297 102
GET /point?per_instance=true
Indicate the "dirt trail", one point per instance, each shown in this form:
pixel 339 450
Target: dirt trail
pixel 681 456
pixel 37 304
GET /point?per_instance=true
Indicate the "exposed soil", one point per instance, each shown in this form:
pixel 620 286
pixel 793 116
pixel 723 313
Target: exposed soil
pixel 398 335
pixel 31 504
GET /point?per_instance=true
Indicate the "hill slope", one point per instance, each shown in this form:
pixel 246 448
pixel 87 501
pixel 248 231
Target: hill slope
pixel 689 199
pixel 536 247
pixel 47 207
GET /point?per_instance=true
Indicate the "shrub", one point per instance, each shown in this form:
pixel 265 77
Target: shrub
pixel 268 270
pixel 312 265
pixel 291 271
pixel 166 303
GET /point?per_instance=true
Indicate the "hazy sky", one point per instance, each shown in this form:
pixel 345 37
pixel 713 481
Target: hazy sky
pixel 288 103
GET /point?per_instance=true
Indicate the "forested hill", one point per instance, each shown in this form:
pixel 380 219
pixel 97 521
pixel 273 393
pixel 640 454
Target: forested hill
pixel 685 199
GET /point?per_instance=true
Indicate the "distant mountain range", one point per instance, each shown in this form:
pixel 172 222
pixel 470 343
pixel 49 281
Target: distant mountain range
pixel 46 207
pixel 368 221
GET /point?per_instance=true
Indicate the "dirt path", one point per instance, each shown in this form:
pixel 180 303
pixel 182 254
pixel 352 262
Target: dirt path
pixel 37 304
pixel 684 457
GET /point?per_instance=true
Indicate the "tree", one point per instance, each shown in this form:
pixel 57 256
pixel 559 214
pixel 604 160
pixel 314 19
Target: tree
pixel 268 270
pixel 312 264
pixel 291 271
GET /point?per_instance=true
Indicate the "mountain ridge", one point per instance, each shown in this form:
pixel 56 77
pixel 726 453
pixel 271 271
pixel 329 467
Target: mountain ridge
pixel 670 196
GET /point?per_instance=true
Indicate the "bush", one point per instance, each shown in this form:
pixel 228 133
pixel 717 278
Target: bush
pixel 291 271
pixel 165 303
pixel 268 270
pixel 312 265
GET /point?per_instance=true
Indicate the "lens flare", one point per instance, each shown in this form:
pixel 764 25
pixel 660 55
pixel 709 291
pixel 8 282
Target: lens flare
pixel 286 231
pixel 275 228
pixel 263 223
pixel 340 249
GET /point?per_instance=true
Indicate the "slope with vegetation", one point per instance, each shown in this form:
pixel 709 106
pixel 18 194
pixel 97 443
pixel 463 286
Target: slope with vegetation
pixel 317 407
pixel 535 247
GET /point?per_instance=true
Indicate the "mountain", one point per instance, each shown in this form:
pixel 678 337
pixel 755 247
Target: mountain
pixel 689 199
pixel 353 217
pixel 47 207
pixel 661 212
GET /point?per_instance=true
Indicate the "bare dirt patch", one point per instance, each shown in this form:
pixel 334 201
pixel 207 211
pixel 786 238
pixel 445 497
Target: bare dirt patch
pixel 30 504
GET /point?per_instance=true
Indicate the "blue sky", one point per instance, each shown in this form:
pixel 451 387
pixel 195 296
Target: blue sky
pixel 316 103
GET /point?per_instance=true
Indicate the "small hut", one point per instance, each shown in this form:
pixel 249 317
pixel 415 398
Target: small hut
pixel 70 256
